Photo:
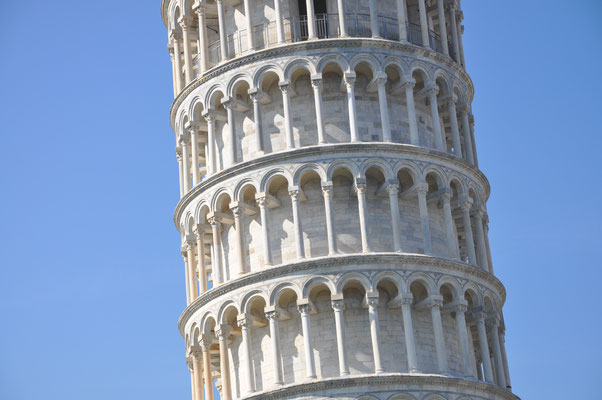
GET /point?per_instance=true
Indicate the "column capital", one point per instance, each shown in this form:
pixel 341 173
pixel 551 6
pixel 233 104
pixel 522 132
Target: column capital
pixel 372 299
pixel 436 301
pixel 214 221
pixel 205 340
pixel 465 205
pixel 304 309
pixel 190 240
pixel 338 304
pixel 407 299
pixel 380 78
pixel 446 194
pixel 432 90
pixel 244 320
pixel 393 188
pixel 284 85
pixel 349 78
pixel 360 186
pixel 422 188
pixel 273 314
pixel 460 306
pixel 175 35
pixel 478 212
pixel 222 331
pixel 199 8
pixel 183 138
pixel 327 188
pixel 195 351
pixel 294 192
pixel 464 108
pixel 185 21
pixel 179 152
pixel 237 210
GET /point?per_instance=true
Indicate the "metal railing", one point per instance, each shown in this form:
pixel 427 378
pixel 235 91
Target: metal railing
pixel 327 27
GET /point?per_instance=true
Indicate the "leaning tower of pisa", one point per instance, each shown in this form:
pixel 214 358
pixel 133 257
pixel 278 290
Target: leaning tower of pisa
pixel 332 215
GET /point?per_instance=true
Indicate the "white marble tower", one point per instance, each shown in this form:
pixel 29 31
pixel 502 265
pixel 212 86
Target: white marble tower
pixel 333 216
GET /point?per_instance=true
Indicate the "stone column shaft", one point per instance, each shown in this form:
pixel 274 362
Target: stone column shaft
pixel 310 364
pixel 203 50
pixel 279 27
pixel 454 33
pixel 288 122
pixel 408 332
pixel 342 21
pixel 224 362
pixel 438 333
pixel 231 131
pixel 272 316
pixel 202 267
pixel 497 355
pixel 402 20
pixel 223 44
pixel 505 359
pixel 439 141
pixel 185 162
pixel 424 28
pixel 384 109
pixel 240 240
pixel 395 218
pixel 339 306
pixel 442 27
pixel 300 246
pixel 311 20
pixel 452 238
pixel 211 157
pixel 424 217
pixel 180 170
pixel 484 347
pixel 192 271
pixel 463 338
pixel 207 372
pixel 217 252
pixel 453 119
pixel 178 63
pixel 350 85
pixel 265 229
pixel 472 257
pixel 188 72
pixel 194 144
pixel 257 121
pixel 409 90
pixel 375 333
pixel 327 192
pixel 249 22
pixel 481 247
pixel 197 368
pixel 317 87
pixel 467 136
pixel 374 19
pixel 363 212
pixel 247 363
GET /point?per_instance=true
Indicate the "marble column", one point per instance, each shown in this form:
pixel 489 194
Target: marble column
pixel 273 316
pixel 288 122
pixel 454 32
pixel 360 189
pixel 424 28
pixel 374 19
pixel 432 97
pixel 421 191
pixel 480 318
pixel 173 68
pixel 505 359
pixel 372 302
pixel 211 157
pixel 194 147
pixel 181 169
pixel 460 310
pixel 381 81
pixel 342 22
pixel 184 22
pixel 442 27
pixel 408 332
pixel 409 91
pixel 221 332
pixel 205 344
pixel 452 237
pixel 184 138
pixel 186 274
pixel 402 20
pixel 223 44
pixel 327 193
pixel 217 251
pixel 350 85
pixel 466 132
pixel 300 246
pixel 465 207
pixel 203 44
pixel 197 369
pixel 175 38
pixel 240 239
pixel 311 20
pixel 229 106
pixel 254 94
pixel 436 304
pixel 316 84
pixel 338 305
pixel 279 27
pixel 202 263
pixel 310 364
pixel 262 202
pixel 249 23
pixel 480 236
pixel 393 190
pixel 193 384
pixel 247 355
pixel 190 244
pixel 453 120
pixel 497 354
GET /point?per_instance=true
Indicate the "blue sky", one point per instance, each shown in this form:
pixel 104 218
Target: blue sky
pixel 92 280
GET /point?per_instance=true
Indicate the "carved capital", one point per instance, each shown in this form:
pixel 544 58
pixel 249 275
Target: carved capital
pixel 338 305
pixel 304 309
pixel 422 188
pixel 273 315
pixel 393 189
pixel 222 331
pixel 327 189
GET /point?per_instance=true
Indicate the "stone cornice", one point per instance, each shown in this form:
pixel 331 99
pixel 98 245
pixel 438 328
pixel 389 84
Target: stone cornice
pixel 337 261
pixel 323 150
pixel 423 381
pixel 296 48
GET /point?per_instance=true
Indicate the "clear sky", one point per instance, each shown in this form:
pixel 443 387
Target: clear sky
pixel 92 282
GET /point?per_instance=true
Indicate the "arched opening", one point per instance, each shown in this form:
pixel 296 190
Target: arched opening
pixel 323 325
pixel 366 104
pixel 282 229
pixel 272 115
pixel 346 214
pixel 360 357
pixel 391 328
pixel 336 125
pixel 379 211
pixel 313 215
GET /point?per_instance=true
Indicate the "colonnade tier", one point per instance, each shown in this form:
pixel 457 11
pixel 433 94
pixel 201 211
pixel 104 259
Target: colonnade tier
pixel 321 97
pixel 204 34
pixel 339 199
pixel 351 316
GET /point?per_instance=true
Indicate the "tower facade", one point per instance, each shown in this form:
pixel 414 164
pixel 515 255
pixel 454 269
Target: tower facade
pixel 332 213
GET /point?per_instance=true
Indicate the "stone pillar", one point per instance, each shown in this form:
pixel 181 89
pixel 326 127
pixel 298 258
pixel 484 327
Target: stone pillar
pixel 338 305
pixel 184 22
pixel 249 22
pixel 424 28
pixel 288 123
pixel 240 239
pixel 360 189
pixel 452 238
pixel 254 94
pixel 342 21
pixel 372 300
pixel 223 44
pixel 453 119
pixel 197 369
pixel 454 32
pixel 472 257
pixel 180 169
pixel 505 359
pixel 186 274
pixel 373 19
pixel 194 147
pixel 217 251
pixel 421 191
pixel 409 89
pixel 381 80
pixel 480 318
pixel 350 85
pixel 442 27
pixel 247 357
pixel 173 68
pixel 279 27
pixel 202 264
pixel 466 133
pixel 393 190
pixel 203 44
pixel 265 228
pixel 408 332
pixel 229 106
pixel 211 158
pixel 272 316
pixel 474 147
pixel 481 247
pixel 460 310
pixel 184 137
pixel 327 192
pixel 316 84
pixel 190 243
pixel 311 20
pixel 221 332
pixel 310 364
pixel 402 20
pixel 497 354
pixel 439 141
pixel 193 385
pixel 295 193
pixel 486 233
pixel 175 38
pixel 436 304
pixel 205 344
